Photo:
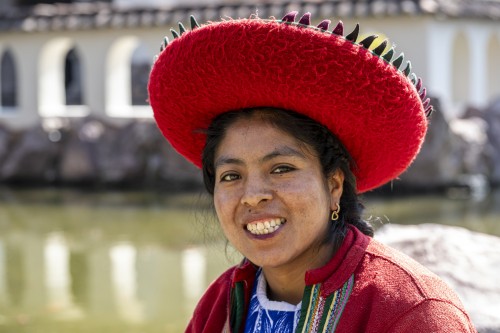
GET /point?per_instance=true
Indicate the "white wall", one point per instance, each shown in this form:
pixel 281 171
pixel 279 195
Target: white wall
pixel 105 57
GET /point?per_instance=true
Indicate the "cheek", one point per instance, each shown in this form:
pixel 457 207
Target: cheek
pixel 218 203
pixel 311 198
pixel 223 202
pixel 305 190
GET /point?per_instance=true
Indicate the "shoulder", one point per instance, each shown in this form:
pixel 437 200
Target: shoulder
pixel 211 310
pixel 221 284
pixel 432 315
pixel 407 293
pixel 393 269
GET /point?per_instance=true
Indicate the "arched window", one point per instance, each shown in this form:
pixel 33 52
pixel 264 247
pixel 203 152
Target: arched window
pixel 128 64
pixel 494 68
pixel 60 79
pixel 8 81
pixel 140 67
pixel 73 79
pixel 460 71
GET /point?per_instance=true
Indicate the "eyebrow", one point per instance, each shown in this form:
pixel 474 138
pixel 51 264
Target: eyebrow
pixel 279 151
pixel 283 151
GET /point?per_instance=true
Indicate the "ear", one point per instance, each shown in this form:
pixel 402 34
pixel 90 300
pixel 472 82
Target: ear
pixel 335 186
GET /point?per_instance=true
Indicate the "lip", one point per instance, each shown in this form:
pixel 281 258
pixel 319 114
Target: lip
pixel 263 236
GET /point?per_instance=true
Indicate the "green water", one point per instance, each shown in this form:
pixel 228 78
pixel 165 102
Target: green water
pixel 137 262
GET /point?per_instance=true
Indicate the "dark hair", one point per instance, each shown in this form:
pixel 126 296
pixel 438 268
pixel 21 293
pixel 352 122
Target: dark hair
pixel 330 151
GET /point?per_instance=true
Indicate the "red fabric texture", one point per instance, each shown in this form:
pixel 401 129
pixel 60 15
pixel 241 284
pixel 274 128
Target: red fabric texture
pixel 367 103
pixel 392 293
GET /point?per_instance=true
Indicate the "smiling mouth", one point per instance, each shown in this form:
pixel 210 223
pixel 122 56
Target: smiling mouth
pixel 265 227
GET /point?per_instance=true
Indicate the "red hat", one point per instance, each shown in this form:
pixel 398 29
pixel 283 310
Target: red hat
pixel 362 96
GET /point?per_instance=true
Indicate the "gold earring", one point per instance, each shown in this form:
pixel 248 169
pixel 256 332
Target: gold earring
pixel 335 213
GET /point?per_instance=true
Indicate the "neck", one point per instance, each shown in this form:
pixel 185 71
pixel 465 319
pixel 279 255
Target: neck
pixel 286 284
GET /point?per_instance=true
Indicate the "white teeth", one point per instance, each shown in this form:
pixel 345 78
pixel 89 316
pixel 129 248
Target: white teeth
pixel 266 227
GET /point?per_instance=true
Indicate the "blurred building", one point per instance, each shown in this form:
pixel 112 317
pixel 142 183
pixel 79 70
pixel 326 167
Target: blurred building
pixel 76 58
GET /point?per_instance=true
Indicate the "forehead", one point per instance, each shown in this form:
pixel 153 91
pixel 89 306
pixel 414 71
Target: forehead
pixel 256 137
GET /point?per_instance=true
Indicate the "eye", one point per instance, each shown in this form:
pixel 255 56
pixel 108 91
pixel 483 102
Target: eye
pixel 282 169
pixel 227 177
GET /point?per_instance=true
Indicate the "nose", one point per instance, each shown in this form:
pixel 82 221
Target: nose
pixel 256 191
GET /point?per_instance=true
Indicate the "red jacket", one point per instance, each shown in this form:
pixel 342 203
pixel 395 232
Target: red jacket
pixel 366 287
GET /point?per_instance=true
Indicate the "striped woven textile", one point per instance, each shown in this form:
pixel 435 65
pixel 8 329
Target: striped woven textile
pixel 320 314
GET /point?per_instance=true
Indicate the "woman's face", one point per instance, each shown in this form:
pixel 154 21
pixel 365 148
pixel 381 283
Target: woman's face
pixel 271 197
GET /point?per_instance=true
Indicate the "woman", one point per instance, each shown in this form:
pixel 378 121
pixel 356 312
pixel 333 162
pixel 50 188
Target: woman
pixel 290 123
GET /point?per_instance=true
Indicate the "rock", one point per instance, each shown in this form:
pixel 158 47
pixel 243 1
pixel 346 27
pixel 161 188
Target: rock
pixel 6 138
pixel 481 131
pixel 492 118
pixel 457 152
pixel 468 261
pixel 472 139
pixel 92 152
pixel 138 154
pixel 78 159
pixel 32 159
pixel 119 152
pixel 171 165
pixel 135 154
pixel 428 171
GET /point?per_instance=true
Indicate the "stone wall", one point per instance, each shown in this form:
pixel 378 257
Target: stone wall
pixel 90 151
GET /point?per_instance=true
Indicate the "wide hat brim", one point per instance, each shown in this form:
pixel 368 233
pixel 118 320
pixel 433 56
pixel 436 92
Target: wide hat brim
pixel 371 106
